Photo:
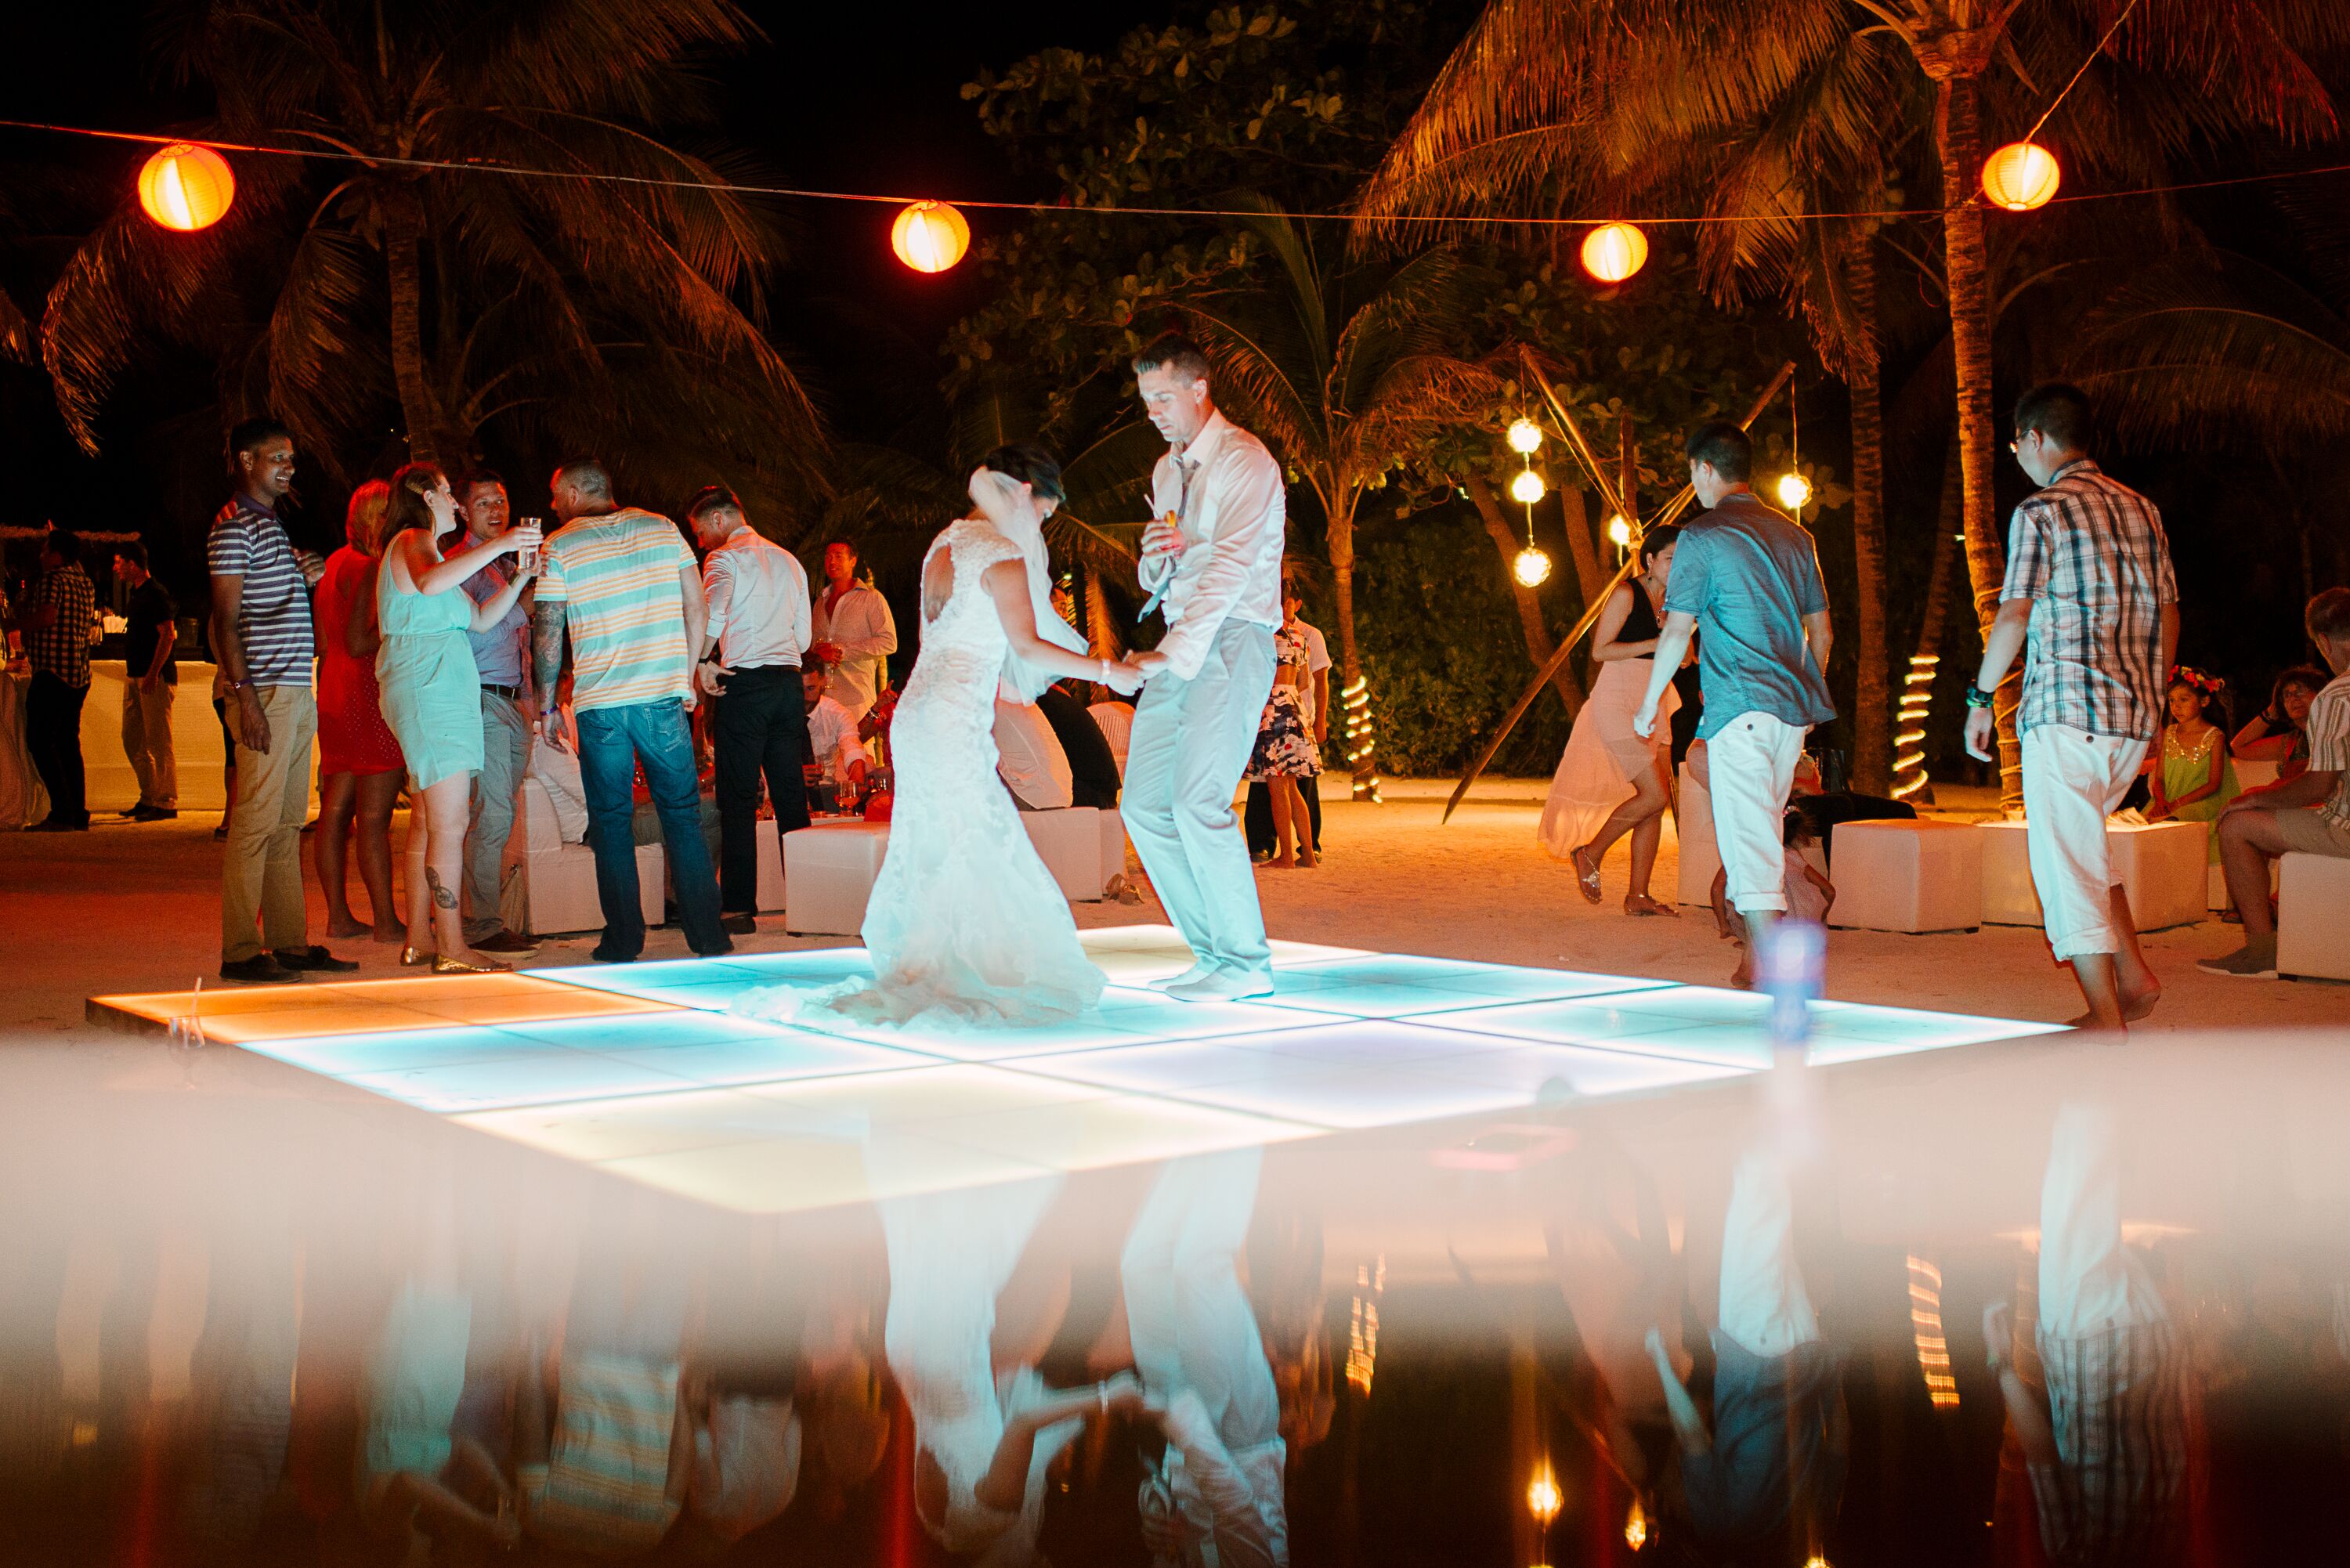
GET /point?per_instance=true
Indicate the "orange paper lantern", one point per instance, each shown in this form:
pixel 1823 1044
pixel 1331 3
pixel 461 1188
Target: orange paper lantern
pixel 1614 251
pixel 186 187
pixel 2021 176
pixel 930 236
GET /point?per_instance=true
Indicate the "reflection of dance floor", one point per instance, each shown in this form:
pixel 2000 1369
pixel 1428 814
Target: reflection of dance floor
pixel 638 1068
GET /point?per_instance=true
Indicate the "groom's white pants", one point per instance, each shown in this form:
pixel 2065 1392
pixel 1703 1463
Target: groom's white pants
pixel 1190 744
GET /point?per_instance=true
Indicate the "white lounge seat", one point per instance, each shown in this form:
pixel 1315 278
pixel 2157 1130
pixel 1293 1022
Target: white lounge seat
pixel 1895 876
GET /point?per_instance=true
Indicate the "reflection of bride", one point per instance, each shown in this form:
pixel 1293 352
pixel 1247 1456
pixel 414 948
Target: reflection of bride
pixel 965 925
pixel 1612 782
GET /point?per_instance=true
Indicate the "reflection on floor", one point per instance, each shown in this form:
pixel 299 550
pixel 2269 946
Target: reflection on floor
pixel 642 1070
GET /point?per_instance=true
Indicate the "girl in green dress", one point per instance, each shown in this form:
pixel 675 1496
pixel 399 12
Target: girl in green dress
pixel 432 697
pixel 2194 778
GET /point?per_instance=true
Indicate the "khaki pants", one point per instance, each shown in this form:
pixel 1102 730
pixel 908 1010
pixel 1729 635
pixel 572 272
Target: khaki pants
pixel 147 741
pixel 261 875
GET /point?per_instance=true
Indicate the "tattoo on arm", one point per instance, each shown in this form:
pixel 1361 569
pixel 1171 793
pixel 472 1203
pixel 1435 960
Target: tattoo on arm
pixel 546 645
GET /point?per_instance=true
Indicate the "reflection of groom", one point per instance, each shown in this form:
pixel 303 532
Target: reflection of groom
pixel 1218 572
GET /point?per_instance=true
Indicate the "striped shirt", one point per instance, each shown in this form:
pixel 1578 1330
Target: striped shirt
pixel 2092 557
pixel 617 575
pixel 2328 734
pixel 604 1486
pixel 61 649
pixel 273 613
pixel 2118 1400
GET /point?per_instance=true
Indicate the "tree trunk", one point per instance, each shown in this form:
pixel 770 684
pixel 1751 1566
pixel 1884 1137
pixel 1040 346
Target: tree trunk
pixel 1872 719
pixel 1575 509
pixel 1354 722
pixel 1966 262
pixel 1539 646
pixel 403 232
pixel 1911 781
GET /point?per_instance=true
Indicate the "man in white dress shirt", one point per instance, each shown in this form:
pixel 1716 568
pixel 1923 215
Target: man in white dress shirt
pixel 750 650
pixel 1217 570
pixel 855 634
pixel 833 744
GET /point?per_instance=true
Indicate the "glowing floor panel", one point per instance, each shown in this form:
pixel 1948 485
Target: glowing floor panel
pixel 643 1070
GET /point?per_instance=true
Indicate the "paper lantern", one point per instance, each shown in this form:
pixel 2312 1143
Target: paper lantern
pixel 1794 490
pixel 1526 437
pixel 186 187
pixel 1527 487
pixel 2021 176
pixel 1532 568
pixel 930 236
pixel 1614 251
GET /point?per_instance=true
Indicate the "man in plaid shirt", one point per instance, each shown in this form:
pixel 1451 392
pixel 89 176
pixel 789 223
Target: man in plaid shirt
pixel 2090 591
pixel 59 615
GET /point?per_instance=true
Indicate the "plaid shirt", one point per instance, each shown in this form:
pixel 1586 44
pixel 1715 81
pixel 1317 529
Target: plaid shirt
pixel 2092 557
pixel 62 648
pixel 2118 1401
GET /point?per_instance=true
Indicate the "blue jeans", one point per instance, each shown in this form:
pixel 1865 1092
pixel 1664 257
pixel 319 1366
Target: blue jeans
pixel 613 741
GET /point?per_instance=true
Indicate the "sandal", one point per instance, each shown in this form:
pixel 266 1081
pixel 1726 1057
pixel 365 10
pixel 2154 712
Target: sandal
pixel 1642 907
pixel 1587 880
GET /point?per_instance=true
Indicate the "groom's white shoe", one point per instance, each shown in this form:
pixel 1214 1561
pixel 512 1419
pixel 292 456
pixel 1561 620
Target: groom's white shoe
pixel 1197 972
pixel 1224 985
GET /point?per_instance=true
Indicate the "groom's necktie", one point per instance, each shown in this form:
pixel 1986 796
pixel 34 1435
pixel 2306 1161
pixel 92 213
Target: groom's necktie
pixel 1186 469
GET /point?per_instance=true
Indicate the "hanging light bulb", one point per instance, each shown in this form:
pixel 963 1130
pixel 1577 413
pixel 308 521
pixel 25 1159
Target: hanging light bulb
pixel 1527 488
pixel 930 236
pixel 1795 492
pixel 1532 568
pixel 1614 251
pixel 2021 176
pixel 1619 533
pixel 1544 1499
pixel 1526 437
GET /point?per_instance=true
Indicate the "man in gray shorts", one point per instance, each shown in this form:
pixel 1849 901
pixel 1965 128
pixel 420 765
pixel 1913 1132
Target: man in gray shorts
pixel 2309 814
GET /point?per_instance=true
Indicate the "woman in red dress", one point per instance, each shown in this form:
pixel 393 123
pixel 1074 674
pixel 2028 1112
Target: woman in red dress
pixel 360 763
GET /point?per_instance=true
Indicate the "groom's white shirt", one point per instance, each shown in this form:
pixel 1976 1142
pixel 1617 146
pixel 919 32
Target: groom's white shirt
pixel 1234 528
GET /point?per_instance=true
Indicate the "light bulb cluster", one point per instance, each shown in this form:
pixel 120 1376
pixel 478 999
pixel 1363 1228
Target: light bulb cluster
pixel 1531 566
pixel 1354 701
pixel 1926 1331
pixel 1909 725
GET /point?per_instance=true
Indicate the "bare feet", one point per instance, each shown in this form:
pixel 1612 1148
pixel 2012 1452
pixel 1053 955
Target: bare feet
pixel 1586 873
pixel 1282 863
pixel 391 934
pixel 1306 860
pixel 1641 904
pixel 2137 1004
pixel 1742 977
pixel 348 925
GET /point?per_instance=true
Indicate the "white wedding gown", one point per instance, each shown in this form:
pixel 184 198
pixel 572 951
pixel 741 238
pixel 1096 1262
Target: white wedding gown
pixel 965 926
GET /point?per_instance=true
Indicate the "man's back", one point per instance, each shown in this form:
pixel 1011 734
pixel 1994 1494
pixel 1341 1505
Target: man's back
pixel 617 576
pixel 2092 557
pixel 1749 577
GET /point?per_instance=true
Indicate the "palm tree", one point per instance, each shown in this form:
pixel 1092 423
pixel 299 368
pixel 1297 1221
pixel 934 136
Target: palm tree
pixel 1560 100
pixel 481 293
pixel 1342 370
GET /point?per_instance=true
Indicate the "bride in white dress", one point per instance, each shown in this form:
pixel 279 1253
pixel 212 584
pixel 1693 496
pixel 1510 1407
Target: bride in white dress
pixel 965 926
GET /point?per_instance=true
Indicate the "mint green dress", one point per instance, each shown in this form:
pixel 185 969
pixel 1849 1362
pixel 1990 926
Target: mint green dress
pixel 431 691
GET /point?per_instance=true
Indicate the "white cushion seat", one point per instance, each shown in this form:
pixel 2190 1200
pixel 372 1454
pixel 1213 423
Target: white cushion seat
pixel 1896 876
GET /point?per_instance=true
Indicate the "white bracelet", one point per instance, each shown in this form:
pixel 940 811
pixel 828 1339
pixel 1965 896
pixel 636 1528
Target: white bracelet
pixel 1103 666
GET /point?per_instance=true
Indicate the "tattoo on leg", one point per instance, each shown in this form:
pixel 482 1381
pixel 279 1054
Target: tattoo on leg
pixel 442 896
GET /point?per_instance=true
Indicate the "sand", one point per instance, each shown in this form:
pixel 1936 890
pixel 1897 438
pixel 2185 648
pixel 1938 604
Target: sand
pixel 137 908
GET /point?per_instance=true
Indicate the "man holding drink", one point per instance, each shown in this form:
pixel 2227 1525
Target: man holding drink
pixel 1212 560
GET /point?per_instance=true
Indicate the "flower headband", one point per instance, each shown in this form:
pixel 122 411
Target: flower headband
pixel 2186 675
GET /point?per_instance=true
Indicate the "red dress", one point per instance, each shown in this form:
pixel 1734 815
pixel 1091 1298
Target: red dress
pixel 352 736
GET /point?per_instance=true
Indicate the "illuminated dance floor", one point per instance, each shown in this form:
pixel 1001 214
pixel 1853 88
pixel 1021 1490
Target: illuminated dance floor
pixel 639 1069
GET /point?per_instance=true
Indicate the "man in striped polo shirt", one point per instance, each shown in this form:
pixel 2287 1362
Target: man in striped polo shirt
pixel 260 637
pixel 622 584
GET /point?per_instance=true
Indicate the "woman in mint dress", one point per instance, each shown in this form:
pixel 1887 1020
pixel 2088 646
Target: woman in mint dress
pixel 432 698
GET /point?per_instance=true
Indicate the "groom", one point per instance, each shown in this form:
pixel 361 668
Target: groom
pixel 1217 570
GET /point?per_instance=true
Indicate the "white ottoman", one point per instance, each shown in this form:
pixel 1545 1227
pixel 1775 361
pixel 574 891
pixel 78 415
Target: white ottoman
pixel 828 872
pixel 2251 773
pixel 1069 841
pixel 558 879
pixel 1698 859
pixel 1923 876
pixel 2160 864
pixel 1113 846
pixel 2313 917
pixel 770 896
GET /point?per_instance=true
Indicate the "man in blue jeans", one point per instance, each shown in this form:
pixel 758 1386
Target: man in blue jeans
pixel 622 587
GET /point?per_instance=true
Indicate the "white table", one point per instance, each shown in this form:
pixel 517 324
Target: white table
pixel 2161 864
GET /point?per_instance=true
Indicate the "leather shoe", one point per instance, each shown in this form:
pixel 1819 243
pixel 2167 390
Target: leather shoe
pixel 506 941
pixel 1225 985
pixel 740 925
pixel 150 814
pixel 601 956
pixel 316 960
pixel 259 968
